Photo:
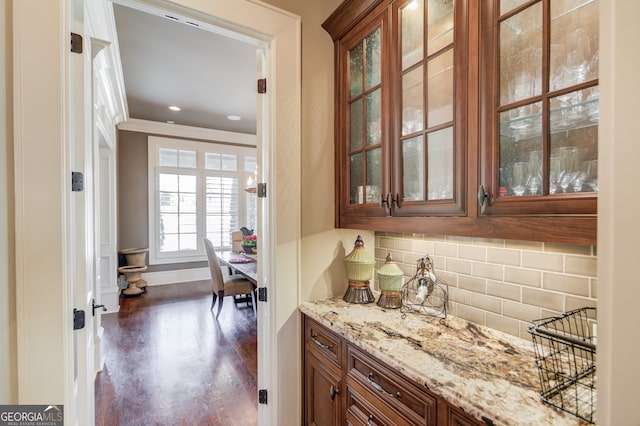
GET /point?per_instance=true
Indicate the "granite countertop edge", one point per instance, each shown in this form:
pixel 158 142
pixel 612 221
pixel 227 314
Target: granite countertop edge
pixel 483 371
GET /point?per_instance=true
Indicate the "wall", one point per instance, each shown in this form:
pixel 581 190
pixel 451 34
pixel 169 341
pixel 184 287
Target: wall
pixel 618 204
pixel 497 283
pixel 8 367
pixel 323 246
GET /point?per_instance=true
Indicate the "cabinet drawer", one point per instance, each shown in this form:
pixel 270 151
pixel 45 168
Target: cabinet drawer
pixel 320 340
pixel 361 411
pixel 412 402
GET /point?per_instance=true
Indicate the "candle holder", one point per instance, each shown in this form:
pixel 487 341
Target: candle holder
pixel 424 292
pixel 390 282
pixel 359 266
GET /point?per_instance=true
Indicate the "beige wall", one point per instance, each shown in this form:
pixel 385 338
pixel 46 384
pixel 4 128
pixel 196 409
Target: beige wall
pixel 497 283
pixel 8 367
pixel 323 246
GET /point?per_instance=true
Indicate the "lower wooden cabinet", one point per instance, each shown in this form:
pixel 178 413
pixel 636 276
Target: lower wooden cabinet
pixel 345 385
pixel 323 393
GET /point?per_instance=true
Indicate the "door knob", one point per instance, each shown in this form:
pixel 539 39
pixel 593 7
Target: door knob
pixel 94 307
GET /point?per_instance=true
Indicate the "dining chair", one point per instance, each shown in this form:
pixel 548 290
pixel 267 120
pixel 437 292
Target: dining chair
pixel 232 285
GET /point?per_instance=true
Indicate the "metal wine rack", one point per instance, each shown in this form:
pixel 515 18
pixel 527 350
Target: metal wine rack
pixel 425 293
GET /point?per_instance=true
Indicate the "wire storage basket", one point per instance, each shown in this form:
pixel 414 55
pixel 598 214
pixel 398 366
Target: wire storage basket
pixel 565 351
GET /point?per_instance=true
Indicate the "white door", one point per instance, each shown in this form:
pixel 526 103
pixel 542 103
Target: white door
pixel 81 218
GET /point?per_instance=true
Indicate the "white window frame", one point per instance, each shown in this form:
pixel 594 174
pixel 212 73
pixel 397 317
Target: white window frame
pixel 155 143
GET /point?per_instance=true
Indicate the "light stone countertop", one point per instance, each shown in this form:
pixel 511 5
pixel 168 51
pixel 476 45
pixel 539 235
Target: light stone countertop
pixel 484 371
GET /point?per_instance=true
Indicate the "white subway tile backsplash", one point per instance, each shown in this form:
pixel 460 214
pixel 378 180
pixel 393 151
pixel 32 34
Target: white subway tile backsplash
pixel 566 283
pixel 504 324
pixel 488 270
pixel 528 277
pixel 474 284
pixel 471 314
pixel 502 284
pixel 446 249
pixel 504 256
pixel 520 311
pixel 472 253
pixel 486 303
pixel 422 246
pixel 504 290
pixel 459 266
pixel 581 265
pixel 543 299
pixel 542 261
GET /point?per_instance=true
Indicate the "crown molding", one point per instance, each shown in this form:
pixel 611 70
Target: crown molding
pixel 179 130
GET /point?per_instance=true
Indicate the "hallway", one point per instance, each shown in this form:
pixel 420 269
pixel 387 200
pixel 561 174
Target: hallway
pixel 168 362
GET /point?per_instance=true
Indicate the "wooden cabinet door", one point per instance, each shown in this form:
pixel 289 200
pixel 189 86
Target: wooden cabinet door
pixel 429 74
pixel 322 393
pixel 362 111
pixel 539 101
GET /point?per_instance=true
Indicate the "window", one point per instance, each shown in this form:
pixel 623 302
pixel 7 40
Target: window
pixel 197 189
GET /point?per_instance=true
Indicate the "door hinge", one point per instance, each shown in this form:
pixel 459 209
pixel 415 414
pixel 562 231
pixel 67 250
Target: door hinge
pixel 262 85
pixel 262 294
pixel 78 319
pixel 262 190
pixel 262 396
pixel 76 43
pixel 77 181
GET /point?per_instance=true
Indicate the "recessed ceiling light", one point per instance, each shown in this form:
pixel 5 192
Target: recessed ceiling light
pixel 234 117
pixel 171 122
pixel 174 108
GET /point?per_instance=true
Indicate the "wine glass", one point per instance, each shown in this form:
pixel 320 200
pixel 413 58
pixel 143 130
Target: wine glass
pixel 520 176
pixel 591 174
pixel 556 172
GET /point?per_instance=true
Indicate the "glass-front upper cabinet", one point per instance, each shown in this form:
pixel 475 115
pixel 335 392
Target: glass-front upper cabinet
pixel 539 91
pixel 429 78
pixel 364 93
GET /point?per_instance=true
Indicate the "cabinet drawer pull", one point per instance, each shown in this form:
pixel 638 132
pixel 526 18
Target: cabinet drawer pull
pixel 314 337
pixel 370 420
pixel 333 392
pixel 380 389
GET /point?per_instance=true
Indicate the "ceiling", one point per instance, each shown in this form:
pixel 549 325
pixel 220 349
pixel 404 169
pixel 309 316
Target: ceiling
pixel 166 62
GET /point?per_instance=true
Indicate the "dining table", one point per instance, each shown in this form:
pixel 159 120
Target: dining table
pixel 241 263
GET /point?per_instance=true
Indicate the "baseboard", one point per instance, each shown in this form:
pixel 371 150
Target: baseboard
pixel 176 276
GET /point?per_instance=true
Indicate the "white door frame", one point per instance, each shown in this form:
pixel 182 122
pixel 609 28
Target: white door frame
pixel 280 212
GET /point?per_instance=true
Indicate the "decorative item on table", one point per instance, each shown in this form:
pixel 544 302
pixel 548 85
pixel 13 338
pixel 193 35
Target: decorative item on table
pixel 249 244
pixel 359 266
pixel 565 354
pixel 390 283
pixel 425 293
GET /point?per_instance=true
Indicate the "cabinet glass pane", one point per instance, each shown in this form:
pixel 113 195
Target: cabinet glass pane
pixel 520 153
pixel 439 24
pixel 574 42
pixel 507 5
pixel 413 169
pixel 521 55
pixel 355 71
pixel 412 101
pixel 440 166
pixel 355 126
pixel 374 130
pixel 412 32
pixel 374 50
pixel 440 89
pixel 355 179
pixel 373 190
pixel 574 142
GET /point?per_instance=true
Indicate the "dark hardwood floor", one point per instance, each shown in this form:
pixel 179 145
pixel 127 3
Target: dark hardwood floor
pixel 169 362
